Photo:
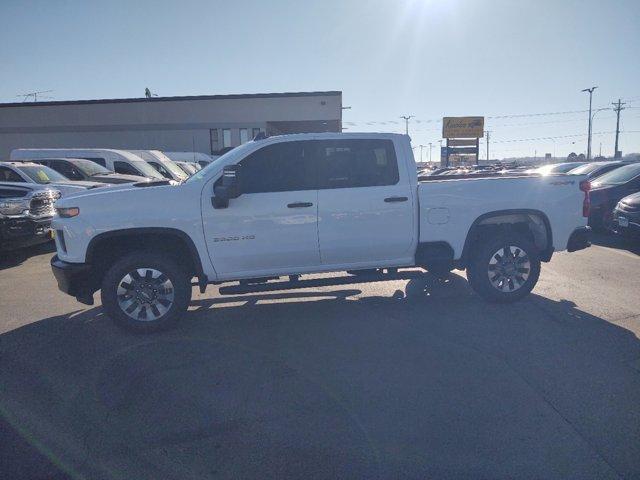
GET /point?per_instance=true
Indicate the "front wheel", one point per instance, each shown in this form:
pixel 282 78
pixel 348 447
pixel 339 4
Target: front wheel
pixel 145 292
pixel 504 268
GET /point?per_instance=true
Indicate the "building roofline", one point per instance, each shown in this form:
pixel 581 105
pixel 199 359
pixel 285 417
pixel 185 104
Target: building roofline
pixel 172 99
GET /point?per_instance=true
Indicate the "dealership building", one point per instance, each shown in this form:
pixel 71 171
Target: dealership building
pixel 205 123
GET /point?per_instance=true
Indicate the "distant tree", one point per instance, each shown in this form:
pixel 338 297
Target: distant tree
pixel 581 157
pixel 573 157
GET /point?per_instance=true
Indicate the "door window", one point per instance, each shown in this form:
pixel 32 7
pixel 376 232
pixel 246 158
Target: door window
pixel 8 175
pixel 66 169
pixel 160 168
pixel 356 163
pixel 98 160
pixel 282 167
pixel 124 168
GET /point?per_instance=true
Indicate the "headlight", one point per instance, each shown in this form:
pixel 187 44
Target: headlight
pixel 13 206
pixel 68 212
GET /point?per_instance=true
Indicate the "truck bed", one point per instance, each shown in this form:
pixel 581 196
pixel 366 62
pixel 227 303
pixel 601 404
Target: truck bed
pixel 450 204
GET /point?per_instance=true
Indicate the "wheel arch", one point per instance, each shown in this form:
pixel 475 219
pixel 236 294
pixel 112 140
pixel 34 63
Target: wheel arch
pixel 535 221
pixel 108 244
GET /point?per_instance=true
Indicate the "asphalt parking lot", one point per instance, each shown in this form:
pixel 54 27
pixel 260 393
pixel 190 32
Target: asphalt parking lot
pixel 398 379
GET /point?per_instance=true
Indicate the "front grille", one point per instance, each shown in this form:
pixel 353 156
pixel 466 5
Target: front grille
pixel 42 204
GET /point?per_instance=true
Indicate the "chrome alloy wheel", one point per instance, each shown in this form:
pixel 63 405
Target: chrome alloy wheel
pixel 145 294
pixel 509 268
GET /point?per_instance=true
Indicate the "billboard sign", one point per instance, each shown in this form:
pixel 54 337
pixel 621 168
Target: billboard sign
pixel 462 150
pixel 466 142
pixel 463 127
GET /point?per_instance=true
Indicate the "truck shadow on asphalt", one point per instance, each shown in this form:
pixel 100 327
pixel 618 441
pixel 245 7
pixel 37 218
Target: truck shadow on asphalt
pixel 425 381
pixel 619 242
pixel 13 258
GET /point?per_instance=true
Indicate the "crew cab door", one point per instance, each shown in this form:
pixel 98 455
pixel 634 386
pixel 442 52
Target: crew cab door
pixel 271 228
pixel 365 215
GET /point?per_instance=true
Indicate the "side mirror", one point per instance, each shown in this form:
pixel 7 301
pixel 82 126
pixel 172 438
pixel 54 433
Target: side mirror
pixel 229 188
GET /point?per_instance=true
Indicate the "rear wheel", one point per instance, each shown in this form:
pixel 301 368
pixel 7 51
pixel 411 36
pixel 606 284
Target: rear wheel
pixel 504 267
pixel 145 292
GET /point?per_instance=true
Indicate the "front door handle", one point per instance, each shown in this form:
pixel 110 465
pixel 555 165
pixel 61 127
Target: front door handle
pixel 300 205
pixel 395 199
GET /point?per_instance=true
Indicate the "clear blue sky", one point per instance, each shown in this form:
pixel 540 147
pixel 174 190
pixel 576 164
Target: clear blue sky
pixel 426 58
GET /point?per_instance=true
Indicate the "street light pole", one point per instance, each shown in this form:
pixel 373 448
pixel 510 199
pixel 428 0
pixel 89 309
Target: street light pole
pixel 406 122
pixel 590 90
pixel 430 145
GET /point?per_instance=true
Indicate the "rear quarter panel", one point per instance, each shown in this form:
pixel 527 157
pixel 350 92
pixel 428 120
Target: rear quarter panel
pixel 448 208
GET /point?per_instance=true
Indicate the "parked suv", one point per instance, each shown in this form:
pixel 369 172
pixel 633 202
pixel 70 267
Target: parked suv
pixel 34 173
pixel 25 214
pixel 81 169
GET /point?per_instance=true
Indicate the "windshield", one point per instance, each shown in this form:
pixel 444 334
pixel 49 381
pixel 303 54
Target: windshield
pixel 174 169
pixel 213 166
pixel 146 169
pixel 89 168
pixel 619 175
pixel 188 168
pixel 41 174
pixel 587 168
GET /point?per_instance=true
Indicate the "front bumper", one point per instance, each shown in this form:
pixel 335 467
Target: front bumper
pixel 74 279
pixel 579 239
pixel 19 232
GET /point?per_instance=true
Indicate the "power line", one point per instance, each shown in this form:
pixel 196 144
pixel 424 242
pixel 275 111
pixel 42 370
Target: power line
pixel 561 136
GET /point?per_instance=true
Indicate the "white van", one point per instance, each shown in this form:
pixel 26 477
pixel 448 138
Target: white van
pixel 194 157
pixel 118 161
pixel 163 164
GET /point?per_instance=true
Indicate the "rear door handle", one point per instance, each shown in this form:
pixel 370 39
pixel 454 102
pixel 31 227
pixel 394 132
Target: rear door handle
pixel 395 199
pixel 300 205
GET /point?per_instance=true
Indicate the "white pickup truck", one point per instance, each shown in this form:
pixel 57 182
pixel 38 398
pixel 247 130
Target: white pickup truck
pixel 309 203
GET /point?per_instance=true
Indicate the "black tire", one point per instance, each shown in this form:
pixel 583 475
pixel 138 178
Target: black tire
pixel 514 285
pixel 179 280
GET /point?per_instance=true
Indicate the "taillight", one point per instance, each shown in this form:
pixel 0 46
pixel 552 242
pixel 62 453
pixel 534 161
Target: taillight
pixel 585 186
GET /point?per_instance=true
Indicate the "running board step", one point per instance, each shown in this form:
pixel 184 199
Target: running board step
pixel 318 282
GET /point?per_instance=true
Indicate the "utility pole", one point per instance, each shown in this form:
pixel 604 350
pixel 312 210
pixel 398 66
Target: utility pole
pixel 590 90
pixel 430 146
pixel 421 147
pixel 406 122
pixel 487 133
pixel 617 108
